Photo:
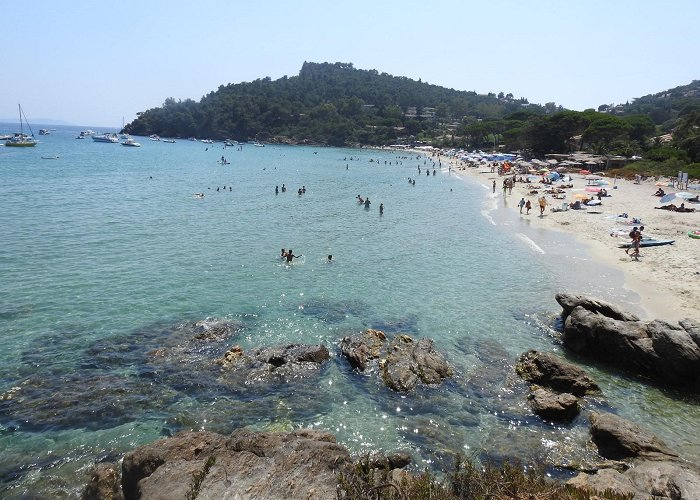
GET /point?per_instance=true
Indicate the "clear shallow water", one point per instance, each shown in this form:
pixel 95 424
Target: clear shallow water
pixel 107 256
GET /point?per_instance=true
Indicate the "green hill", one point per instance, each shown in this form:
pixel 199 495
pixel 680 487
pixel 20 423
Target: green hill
pixel 326 103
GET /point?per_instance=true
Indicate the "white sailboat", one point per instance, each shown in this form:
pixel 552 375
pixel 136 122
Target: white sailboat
pixel 22 140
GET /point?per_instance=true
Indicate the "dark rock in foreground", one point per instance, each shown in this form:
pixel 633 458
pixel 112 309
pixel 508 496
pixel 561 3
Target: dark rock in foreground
pixel 656 349
pixel 302 464
pixel 654 471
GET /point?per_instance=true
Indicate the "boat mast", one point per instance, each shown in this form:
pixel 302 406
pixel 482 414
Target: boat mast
pixel 21 114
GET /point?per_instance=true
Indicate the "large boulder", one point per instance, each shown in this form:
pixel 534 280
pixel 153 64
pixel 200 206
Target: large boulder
pixel 551 371
pixel 617 439
pixel 655 349
pixel 104 484
pixel 692 327
pixel 654 470
pixel 296 465
pixel 569 301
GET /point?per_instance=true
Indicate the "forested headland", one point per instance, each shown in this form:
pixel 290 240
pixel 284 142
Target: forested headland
pixel 340 105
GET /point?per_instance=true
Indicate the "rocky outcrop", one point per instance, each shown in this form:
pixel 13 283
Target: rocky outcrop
pixel 403 362
pixel 410 362
pixel 104 484
pixel 556 385
pixel 360 349
pixel 569 301
pixel 551 371
pixel 653 469
pixel 656 349
pixel 301 464
pixel 272 364
pixel 554 406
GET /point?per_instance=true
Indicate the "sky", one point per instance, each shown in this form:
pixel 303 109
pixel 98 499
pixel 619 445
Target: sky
pixel 100 63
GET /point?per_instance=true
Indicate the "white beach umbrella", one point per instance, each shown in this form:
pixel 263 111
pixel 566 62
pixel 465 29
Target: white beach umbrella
pixel 685 195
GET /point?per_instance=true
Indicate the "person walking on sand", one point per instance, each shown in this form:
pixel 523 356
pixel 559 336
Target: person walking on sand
pixel 528 206
pixel 521 204
pixel 494 186
pixel 543 204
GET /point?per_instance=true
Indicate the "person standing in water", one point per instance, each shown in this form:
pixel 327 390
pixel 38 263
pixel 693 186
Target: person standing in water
pixel 381 209
pixel 290 255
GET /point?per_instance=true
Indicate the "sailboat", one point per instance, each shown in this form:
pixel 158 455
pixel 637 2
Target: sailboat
pixel 22 140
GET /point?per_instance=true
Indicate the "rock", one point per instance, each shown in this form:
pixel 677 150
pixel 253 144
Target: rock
pixel 409 363
pixel 569 301
pixel 272 364
pixel 655 349
pixel 551 371
pixel 693 328
pixel 617 439
pixel 104 484
pixel 392 461
pixel 553 406
pixel 362 348
pixel 654 470
pixel 297 465
pixel 208 329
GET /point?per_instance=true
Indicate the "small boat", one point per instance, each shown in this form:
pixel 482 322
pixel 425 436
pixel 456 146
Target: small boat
pixel 21 140
pixel 131 142
pixel 87 132
pixel 648 242
pixel 169 141
pixel 207 141
pixel 154 137
pixel 54 157
pixel 106 137
pixel 44 131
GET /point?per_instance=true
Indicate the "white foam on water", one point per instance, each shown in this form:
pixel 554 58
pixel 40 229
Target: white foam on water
pixel 530 243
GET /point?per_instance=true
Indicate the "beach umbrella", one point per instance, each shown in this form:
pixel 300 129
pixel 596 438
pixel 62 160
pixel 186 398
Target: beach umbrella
pixel 593 189
pixel 584 172
pixel 601 183
pixel 684 195
pixel 593 177
pixel 581 196
pixel 667 198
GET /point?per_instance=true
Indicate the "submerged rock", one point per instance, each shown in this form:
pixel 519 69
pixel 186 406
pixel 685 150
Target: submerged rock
pixel 273 364
pixel 409 363
pixel 553 406
pixel 548 370
pixel 403 363
pixel 617 438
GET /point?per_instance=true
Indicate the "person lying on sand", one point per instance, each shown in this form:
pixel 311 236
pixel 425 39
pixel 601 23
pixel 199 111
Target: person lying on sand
pixel 674 208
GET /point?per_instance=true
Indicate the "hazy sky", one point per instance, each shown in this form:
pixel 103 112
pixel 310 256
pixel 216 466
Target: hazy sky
pixel 94 62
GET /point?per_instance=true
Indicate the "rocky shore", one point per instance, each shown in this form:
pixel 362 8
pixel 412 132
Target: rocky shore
pixel 306 463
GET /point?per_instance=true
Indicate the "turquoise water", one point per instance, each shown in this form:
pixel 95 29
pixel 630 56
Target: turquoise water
pixel 107 255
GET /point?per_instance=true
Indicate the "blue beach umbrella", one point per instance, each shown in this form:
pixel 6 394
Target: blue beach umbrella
pixel 666 198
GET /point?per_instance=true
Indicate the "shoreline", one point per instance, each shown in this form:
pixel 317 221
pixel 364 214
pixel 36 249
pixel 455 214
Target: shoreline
pixel 666 278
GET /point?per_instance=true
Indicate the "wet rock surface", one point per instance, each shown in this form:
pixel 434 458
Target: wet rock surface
pixel 554 406
pixel 301 464
pixel 403 362
pixel 655 349
pixel 653 470
pixel 552 371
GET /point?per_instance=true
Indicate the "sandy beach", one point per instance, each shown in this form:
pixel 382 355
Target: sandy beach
pixel 667 278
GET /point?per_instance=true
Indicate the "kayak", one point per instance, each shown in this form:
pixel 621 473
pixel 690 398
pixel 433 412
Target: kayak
pixel 648 242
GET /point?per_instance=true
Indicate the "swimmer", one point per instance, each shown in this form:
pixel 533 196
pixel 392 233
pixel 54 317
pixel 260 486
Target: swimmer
pixel 283 254
pixel 330 258
pixel 290 255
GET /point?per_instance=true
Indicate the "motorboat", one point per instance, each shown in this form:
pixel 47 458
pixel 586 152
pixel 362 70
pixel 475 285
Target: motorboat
pixel 131 142
pixel 44 131
pixel 169 141
pixel 106 137
pixel 154 137
pixel 207 141
pixel 87 132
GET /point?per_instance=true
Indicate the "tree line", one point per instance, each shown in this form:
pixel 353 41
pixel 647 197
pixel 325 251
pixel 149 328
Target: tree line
pixel 339 105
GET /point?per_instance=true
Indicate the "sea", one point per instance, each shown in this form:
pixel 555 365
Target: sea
pixel 109 261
